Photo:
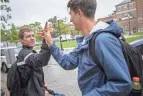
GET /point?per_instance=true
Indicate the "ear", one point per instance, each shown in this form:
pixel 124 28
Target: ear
pixel 80 12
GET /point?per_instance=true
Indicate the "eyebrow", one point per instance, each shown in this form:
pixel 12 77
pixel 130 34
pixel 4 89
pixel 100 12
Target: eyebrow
pixel 30 35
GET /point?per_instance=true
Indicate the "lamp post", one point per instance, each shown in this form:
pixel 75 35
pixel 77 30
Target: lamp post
pixel 129 25
pixel 60 36
pixel 6 39
pixel 71 27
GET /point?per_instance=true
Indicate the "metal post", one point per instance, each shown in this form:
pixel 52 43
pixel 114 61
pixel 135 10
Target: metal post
pixel 129 25
pixel 72 35
pixel 60 36
pixel 6 39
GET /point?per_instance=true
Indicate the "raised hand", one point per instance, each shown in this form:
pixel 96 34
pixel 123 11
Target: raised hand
pixel 47 34
pixel 41 34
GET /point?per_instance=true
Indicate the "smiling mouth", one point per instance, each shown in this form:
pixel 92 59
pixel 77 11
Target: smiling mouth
pixel 32 42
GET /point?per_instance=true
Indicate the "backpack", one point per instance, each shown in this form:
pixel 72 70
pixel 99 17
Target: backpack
pixel 14 83
pixel 13 80
pixel 131 54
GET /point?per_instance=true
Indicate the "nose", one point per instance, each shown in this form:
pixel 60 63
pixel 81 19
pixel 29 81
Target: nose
pixel 32 38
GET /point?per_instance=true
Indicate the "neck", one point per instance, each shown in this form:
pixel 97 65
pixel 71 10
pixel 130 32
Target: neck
pixel 25 46
pixel 87 26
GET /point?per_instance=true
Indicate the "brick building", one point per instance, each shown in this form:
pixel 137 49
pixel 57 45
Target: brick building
pixel 129 14
pixel 110 17
pixel 140 15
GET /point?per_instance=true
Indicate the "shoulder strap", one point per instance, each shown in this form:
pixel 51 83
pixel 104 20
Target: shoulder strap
pixel 92 47
pixel 92 50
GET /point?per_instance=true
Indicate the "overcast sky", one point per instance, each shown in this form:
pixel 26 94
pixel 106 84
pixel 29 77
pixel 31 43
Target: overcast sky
pixel 28 11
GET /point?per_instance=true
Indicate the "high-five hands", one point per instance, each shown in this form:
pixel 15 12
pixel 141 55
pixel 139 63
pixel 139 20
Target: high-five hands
pixel 46 34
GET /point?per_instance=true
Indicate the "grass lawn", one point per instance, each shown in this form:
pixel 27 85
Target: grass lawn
pixel 138 33
pixel 133 38
pixel 68 44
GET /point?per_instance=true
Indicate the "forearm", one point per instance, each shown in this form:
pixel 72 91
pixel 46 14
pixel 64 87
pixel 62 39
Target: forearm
pixel 111 88
pixel 44 55
pixel 67 61
pixel 38 60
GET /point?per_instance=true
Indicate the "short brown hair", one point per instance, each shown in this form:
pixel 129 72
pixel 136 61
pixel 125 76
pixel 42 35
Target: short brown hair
pixel 88 7
pixel 21 32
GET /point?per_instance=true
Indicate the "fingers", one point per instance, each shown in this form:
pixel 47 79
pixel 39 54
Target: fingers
pixel 47 93
pixel 46 86
pixel 41 34
pixel 46 34
pixel 48 28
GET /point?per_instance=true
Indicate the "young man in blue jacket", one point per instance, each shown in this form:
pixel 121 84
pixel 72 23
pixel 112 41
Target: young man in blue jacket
pixel 92 81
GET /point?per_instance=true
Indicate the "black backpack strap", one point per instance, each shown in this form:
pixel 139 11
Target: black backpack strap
pixel 92 47
pixel 92 50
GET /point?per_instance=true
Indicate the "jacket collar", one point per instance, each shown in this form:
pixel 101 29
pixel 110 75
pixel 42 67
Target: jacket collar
pixel 27 47
pixel 99 26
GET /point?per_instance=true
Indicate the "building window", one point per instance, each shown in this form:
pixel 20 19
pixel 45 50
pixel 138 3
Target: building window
pixel 140 30
pixel 118 8
pixel 131 5
pixel 125 15
pixel 132 14
pixel 125 7
pixel 134 29
pixel 126 28
pixel 121 16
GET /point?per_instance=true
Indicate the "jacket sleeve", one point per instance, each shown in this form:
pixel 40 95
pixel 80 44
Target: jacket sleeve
pixel 109 53
pixel 38 60
pixel 66 61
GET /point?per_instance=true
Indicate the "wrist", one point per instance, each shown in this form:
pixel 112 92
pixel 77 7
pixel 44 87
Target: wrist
pixel 49 43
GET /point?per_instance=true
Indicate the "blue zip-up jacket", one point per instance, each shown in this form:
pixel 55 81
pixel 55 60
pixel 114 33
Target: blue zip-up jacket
pixel 115 80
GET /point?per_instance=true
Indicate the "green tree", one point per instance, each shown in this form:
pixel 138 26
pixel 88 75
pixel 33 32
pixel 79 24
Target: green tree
pixel 53 20
pixel 13 34
pixel 60 27
pixel 54 23
pixel 5 15
pixel 36 27
pixel 4 35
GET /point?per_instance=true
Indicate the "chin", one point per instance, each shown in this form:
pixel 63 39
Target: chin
pixel 31 46
pixel 76 28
